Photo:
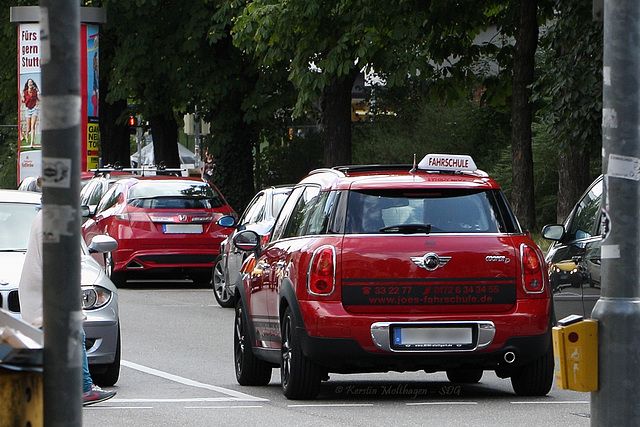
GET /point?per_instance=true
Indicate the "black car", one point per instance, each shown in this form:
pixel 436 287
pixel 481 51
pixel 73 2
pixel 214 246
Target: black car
pixel 573 258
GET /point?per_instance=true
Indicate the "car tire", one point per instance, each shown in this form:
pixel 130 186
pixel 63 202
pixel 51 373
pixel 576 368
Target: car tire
pixel 300 377
pixel 535 378
pixel 107 375
pixel 249 369
pixel 465 376
pixel 220 289
pixel 118 278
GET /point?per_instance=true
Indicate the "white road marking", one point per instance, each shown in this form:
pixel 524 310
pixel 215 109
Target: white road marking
pixel 333 405
pixel 235 396
pixel 116 407
pixel 441 403
pixel 556 402
pixel 224 407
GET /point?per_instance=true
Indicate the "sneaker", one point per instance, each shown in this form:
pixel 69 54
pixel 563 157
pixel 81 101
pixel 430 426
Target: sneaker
pixel 96 395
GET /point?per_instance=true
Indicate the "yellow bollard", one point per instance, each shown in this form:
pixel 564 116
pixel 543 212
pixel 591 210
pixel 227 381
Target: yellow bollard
pixel 21 394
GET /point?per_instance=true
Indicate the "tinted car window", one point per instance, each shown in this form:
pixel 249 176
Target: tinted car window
pixel 277 200
pixel 255 211
pixel 174 195
pixel 447 211
pixel 320 213
pixel 91 193
pixel 109 199
pixel 587 209
pixel 285 213
pixel 300 214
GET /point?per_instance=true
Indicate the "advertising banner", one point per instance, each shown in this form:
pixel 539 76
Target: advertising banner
pixel 30 92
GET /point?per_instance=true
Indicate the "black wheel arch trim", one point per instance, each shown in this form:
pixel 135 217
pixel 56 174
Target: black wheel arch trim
pixel 289 299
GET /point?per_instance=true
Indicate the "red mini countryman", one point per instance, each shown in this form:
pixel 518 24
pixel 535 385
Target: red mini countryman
pixel 394 268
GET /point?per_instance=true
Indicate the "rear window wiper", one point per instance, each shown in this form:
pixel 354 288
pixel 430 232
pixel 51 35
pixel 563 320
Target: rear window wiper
pixel 407 228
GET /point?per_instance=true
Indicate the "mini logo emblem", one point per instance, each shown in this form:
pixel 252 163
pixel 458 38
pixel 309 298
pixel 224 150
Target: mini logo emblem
pixel 182 218
pixel 430 261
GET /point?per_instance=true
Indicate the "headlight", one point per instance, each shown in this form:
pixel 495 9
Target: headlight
pixel 94 297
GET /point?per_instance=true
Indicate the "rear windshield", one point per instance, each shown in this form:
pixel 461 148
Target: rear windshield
pixel 174 195
pixel 437 211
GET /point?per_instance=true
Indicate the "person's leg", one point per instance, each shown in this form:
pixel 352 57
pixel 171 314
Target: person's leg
pixel 28 128
pixel 34 121
pixel 86 376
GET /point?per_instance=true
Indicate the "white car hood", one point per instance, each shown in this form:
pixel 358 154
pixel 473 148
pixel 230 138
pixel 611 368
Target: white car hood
pixel 10 269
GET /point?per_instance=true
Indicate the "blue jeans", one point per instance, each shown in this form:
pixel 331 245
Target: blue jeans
pixel 87 382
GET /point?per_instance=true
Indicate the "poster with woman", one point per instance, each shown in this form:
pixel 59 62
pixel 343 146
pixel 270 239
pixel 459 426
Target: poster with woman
pixel 29 112
pixel 29 91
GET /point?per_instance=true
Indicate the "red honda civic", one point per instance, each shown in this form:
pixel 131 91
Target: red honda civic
pixel 165 226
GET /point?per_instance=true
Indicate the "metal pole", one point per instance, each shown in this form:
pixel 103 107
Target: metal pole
pixel 60 115
pixel 139 140
pixel 618 310
pixel 196 127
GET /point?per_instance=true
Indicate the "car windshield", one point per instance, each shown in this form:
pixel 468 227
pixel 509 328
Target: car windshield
pixel 174 195
pixel 15 225
pixel 437 211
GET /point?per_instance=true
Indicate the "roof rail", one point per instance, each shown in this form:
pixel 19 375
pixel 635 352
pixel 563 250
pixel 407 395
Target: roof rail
pixel 324 170
pixel 372 168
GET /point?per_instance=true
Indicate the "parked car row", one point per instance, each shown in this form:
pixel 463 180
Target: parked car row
pixel 353 269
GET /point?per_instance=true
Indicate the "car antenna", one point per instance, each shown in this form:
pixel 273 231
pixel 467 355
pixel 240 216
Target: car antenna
pixel 414 168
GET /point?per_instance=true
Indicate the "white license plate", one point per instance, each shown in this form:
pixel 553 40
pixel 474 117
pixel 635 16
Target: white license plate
pixel 182 228
pixel 428 337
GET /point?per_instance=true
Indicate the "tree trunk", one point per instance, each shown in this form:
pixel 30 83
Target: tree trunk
pixel 336 121
pixel 114 137
pixel 573 179
pixel 233 141
pixel 165 140
pixel 522 188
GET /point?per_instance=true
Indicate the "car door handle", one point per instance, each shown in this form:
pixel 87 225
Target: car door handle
pixel 281 264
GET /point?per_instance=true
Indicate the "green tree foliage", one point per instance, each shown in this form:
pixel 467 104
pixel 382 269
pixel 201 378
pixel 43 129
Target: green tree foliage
pixel 324 43
pixel 171 56
pixel 569 89
pixel 420 126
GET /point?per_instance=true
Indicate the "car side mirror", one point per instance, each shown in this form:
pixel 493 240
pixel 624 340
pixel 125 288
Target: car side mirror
pixel 227 221
pixel 247 240
pixel 102 244
pixel 553 232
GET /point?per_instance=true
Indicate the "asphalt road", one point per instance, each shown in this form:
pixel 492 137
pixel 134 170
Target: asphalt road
pixel 177 370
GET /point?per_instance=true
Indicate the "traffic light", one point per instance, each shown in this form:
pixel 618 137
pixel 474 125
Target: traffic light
pixel 133 125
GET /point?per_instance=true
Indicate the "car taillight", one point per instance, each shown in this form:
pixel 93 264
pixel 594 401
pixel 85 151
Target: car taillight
pixel 532 271
pixel 322 271
pixel 134 216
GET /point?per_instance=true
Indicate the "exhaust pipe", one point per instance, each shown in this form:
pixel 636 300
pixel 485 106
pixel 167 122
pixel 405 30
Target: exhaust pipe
pixel 509 357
